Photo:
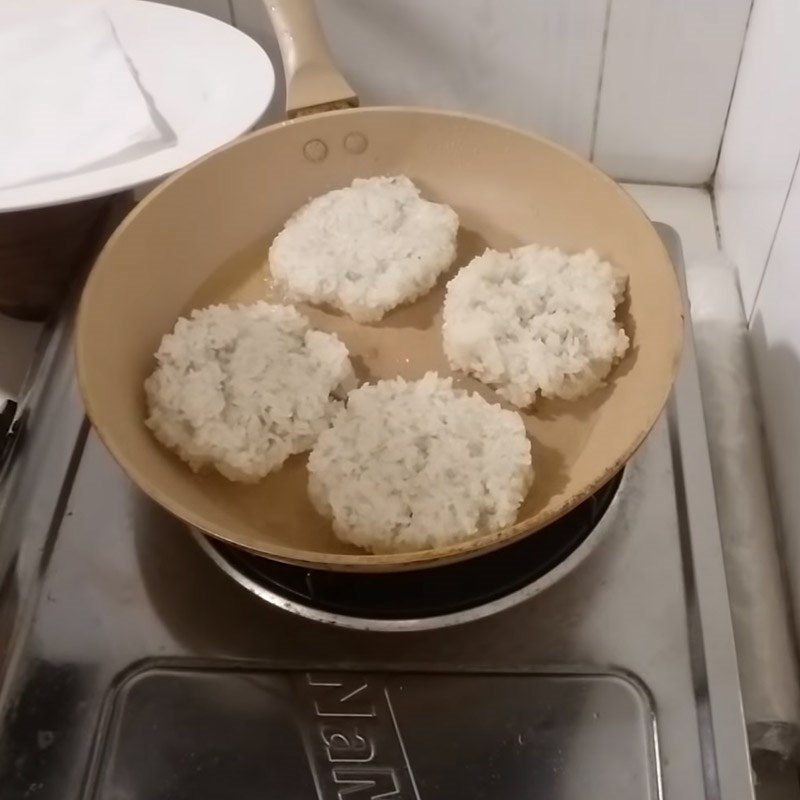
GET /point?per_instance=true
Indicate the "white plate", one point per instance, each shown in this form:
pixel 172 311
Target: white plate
pixel 211 81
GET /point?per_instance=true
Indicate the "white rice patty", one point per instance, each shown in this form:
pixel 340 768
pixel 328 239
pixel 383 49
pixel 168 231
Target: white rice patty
pixel 410 466
pixel 240 389
pixel 535 320
pixel 364 249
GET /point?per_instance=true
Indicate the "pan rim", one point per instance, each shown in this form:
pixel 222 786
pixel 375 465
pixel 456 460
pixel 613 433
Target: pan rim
pixel 358 562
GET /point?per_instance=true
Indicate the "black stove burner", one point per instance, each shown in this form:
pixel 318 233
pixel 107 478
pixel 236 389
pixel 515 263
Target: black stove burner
pixel 428 592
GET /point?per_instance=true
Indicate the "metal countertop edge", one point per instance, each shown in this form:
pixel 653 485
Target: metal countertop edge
pixel 726 758
pixel 46 457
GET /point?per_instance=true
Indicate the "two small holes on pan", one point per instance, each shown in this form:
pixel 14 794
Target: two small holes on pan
pixel 316 150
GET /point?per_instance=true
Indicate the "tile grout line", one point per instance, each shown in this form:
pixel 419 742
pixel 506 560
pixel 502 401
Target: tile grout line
pixel 757 294
pixel 715 216
pixel 733 92
pixel 602 70
pixel 703 187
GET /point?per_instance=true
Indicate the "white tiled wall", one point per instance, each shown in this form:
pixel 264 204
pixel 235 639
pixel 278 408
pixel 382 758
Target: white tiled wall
pixel 642 84
pixel 758 207
pixel 669 72
pixel 775 333
pixel 762 140
pixel 532 64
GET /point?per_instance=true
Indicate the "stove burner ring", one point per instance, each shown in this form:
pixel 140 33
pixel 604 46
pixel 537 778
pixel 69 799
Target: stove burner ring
pixel 435 597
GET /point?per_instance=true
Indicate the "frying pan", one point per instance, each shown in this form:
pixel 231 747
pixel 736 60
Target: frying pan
pixel 203 236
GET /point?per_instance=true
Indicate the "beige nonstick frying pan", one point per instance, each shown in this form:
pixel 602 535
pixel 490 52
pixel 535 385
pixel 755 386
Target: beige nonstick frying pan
pixel 203 236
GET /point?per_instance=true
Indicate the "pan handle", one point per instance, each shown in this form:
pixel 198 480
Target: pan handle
pixel 312 81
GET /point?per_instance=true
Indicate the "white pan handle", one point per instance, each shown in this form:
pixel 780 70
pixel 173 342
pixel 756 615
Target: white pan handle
pixel 312 81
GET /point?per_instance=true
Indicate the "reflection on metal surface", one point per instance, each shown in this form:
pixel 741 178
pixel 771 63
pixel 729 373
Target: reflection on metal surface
pixel 118 623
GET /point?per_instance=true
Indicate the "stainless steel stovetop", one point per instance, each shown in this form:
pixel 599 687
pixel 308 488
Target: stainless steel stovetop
pixel 135 669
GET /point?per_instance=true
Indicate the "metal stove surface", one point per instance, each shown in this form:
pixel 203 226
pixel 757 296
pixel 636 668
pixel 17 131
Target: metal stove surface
pixel 134 668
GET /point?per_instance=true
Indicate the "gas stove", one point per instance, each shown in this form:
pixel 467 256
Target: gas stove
pixel 144 661
pixel 436 597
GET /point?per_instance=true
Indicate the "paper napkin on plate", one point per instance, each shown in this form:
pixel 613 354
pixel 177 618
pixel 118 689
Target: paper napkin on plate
pixel 69 98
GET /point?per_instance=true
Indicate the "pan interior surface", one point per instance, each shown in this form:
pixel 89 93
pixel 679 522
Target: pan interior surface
pixel 203 238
